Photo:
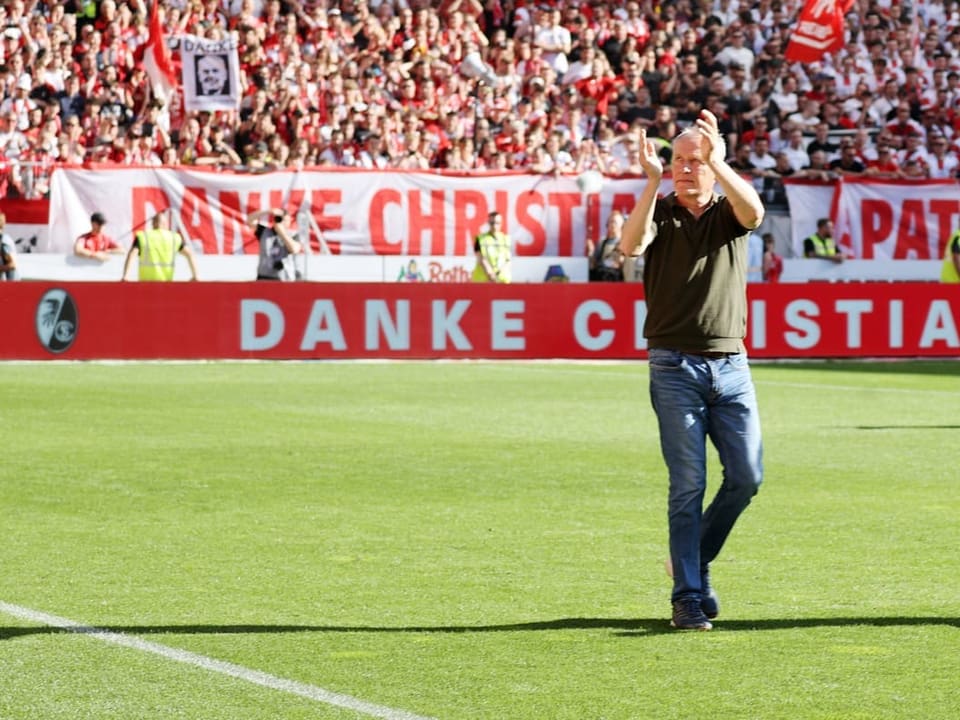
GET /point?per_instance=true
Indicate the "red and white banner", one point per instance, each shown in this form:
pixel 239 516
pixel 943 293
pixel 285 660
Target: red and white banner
pixel 878 219
pixel 819 30
pixel 26 224
pixel 896 220
pixel 80 321
pixel 355 211
pixel 408 213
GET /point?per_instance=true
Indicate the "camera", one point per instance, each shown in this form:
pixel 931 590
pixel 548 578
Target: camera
pixel 278 217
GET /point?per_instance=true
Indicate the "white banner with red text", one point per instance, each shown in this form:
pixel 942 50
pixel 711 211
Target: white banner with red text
pixel 878 219
pixel 351 212
pixel 881 220
pixel 84 321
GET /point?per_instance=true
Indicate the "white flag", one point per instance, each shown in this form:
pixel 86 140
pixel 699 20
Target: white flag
pixel 156 58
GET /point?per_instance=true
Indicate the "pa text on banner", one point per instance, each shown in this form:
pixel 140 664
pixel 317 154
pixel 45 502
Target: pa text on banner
pixel 211 73
pixel 878 219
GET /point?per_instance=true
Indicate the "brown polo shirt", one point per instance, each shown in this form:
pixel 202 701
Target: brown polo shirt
pixel 695 279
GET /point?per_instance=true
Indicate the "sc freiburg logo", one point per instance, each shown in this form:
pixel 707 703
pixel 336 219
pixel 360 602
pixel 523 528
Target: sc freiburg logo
pixel 57 320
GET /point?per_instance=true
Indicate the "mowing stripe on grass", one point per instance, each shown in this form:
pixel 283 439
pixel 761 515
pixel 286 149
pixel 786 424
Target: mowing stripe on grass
pixel 256 677
pixel 638 370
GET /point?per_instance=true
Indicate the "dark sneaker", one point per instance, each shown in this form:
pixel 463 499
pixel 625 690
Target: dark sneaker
pixel 710 604
pixel 709 601
pixel 687 615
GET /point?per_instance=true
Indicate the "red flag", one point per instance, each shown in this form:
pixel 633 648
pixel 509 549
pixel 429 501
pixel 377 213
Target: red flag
pixel 819 30
pixel 157 60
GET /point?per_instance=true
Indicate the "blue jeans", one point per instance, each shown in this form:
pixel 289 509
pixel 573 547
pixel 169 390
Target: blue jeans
pixel 696 398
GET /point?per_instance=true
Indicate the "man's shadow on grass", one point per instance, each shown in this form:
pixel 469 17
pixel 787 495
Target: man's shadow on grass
pixel 623 627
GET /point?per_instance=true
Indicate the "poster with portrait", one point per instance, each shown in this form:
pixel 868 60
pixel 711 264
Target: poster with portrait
pixel 211 73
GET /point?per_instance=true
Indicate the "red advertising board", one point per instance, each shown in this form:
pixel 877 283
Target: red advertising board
pixel 83 321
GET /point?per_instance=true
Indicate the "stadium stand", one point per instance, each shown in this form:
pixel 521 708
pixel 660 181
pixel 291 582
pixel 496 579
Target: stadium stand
pixel 463 84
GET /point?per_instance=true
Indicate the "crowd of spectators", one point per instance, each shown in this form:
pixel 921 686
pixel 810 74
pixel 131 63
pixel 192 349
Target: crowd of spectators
pixel 463 85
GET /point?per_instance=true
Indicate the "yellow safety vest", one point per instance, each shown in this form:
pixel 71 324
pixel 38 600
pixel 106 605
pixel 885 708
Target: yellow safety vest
pixel 948 273
pixel 824 246
pixel 495 248
pixel 158 254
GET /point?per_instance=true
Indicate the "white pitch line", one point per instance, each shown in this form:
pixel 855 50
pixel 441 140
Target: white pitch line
pixel 311 692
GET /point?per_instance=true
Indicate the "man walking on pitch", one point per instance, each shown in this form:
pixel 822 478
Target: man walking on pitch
pixel 694 278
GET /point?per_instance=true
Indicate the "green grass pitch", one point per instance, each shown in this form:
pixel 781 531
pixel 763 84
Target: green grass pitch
pixel 466 540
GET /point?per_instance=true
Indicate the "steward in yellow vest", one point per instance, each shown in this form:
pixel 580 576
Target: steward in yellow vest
pixel 158 248
pixel 492 249
pixel 951 260
pixel 821 244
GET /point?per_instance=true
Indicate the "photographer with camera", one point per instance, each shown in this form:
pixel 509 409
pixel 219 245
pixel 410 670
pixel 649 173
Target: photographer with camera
pixel 277 245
